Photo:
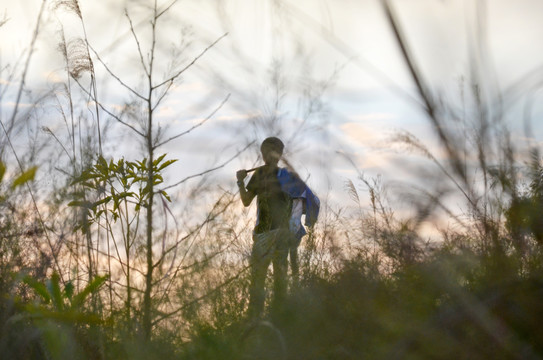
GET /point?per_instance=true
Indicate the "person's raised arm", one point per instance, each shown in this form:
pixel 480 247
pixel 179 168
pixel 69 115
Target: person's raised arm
pixel 246 196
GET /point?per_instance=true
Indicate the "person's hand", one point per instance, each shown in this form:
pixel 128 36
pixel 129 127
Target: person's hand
pixel 241 175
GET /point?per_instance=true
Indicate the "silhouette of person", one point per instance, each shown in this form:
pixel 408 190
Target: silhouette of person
pixel 282 199
pixel 271 235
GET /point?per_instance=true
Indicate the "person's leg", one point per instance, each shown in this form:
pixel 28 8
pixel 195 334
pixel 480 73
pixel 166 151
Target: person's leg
pixel 294 242
pixel 261 255
pixel 280 267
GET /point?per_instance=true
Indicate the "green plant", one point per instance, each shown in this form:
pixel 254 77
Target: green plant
pixel 120 184
pixel 66 325
pixel 62 305
pixel 122 190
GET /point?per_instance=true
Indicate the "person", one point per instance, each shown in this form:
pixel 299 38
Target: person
pixel 270 235
pixel 278 229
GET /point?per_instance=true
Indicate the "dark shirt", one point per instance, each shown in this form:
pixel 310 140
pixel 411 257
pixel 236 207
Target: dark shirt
pixel 274 206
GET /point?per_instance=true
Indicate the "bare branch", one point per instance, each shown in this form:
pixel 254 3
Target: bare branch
pixel 213 214
pixel 27 64
pixel 162 96
pixel 200 298
pixel 210 170
pixel 194 264
pixel 172 78
pixel 116 77
pixel 4 19
pixel 50 132
pixel 165 9
pixel 197 125
pixel 107 111
pixel 137 42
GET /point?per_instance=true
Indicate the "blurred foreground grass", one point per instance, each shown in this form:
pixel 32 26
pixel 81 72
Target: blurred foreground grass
pixel 454 304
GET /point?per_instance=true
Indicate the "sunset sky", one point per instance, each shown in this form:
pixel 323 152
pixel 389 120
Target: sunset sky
pixel 344 46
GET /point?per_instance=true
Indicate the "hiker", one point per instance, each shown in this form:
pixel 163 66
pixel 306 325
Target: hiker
pixel 275 232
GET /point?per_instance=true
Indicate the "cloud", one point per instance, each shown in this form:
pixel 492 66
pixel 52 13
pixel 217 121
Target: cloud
pixel 5 82
pixel 53 76
pixel 12 104
pixel 361 134
pixel 166 112
pixel 372 117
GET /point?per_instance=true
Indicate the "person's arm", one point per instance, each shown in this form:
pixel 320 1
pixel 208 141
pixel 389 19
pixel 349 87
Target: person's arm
pixel 246 195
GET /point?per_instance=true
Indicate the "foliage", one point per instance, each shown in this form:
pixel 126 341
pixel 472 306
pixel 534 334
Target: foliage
pixel 449 306
pixel 118 183
pixel 57 322
pixel 62 304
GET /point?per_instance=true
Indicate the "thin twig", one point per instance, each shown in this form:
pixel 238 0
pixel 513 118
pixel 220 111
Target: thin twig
pixel 162 96
pixel 27 63
pixel 165 9
pixel 172 78
pixel 119 80
pixel 200 298
pixel 210 170
pixel 109 112
pixel 197 125
pixel 137 42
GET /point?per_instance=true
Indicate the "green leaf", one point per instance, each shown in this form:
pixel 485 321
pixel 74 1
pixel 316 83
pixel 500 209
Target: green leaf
pixel 102 167
pixel 90 185
pixel 38 288
pixel 166 164
pixel 126 194
pixel 141 165
pixel 53 286
pixel 102 201
pixel 2 170
pixel 80 203
pixel 158 160
pixel 158 179
pixel 84 176
pixel 69 290
pixel 91 288
pixel 25 177
pixel 74 317
pixel 101 161
pixel 166 195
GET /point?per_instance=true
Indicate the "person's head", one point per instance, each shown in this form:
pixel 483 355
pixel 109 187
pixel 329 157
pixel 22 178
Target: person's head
pixel 272 149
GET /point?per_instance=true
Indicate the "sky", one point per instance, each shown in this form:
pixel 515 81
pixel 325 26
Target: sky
pixel 340 54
